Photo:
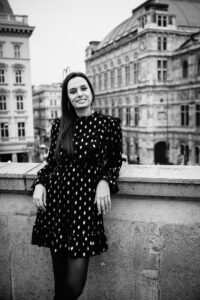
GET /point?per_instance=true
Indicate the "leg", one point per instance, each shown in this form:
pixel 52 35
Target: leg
pixel 75 277
pixel 59 269
pixel 69 275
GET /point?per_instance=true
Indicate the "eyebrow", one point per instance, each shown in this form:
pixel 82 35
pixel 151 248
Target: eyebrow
pixel 74 88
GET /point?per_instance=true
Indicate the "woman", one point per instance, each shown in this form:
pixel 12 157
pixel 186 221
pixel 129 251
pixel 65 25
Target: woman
pixel 73 190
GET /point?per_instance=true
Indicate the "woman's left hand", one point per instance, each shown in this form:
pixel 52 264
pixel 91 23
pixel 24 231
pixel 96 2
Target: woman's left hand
pixel 102 197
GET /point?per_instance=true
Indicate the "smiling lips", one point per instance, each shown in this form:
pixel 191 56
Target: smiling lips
pixel 80 100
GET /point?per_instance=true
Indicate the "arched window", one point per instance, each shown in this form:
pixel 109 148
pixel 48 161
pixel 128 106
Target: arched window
pixel 185 69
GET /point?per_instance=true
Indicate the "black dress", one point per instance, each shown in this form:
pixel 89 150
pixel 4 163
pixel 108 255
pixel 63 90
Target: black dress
pixel 71 221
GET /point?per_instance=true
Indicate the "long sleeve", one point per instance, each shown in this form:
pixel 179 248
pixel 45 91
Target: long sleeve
pixel 110 171
pixel 43 174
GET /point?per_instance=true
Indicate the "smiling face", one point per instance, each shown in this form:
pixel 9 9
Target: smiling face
pixel 80 95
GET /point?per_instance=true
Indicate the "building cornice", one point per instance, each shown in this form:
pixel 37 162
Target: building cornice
pixel 130 38
pixel 7 29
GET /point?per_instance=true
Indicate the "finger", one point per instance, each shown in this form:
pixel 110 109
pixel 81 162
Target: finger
pixel 35 201
pixel 106 204
pixel 98 206
pixel 44 198
pixel 109 202
pixel 103 205
pixel 40 205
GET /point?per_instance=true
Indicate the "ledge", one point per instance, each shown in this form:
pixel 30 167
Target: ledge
pixel 140 180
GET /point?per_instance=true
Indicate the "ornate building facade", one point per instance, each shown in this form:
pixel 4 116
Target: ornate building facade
pixel 146 71
pixel 16 112
pixel 46 107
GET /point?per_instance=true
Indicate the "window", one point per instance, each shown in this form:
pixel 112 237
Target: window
pixel 20 102
pixel 143 21
pixel 21 129
pixel 1 50
pixel 127 75
pixel 128 148
pixel 162 69
pixel 105 81
pixel 94 83
pixel 197 155
pixel 197 115
pixel 185 152
pixel 119 76
pixel 135 70
pixel 162 43
pixel 112 78
pixel 170 20
pixel 120 114
pixel 198 67
pixel 128 116
pixel 153 17
pixel 184 115
pixel 159 43
pixel 185 69
pixel 3 104
pixel 106 111
pixel 18 76
pixel 136 112
pixel 4 130
pixel 17 51
pixel 99 79
pixel 2 75
pixel 162 21
pixel 54 114
pixel 113 108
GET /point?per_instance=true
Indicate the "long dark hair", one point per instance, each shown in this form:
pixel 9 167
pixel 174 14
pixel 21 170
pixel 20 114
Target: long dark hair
pixel 68 117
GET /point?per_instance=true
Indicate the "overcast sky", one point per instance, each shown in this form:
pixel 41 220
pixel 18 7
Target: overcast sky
pixel 63 30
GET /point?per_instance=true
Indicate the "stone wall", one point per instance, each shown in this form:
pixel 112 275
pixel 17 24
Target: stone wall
pixel 153 231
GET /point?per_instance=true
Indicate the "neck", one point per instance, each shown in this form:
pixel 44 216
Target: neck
pixel 84 112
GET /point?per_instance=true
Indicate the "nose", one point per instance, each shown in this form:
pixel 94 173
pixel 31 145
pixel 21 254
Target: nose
pixel 79 93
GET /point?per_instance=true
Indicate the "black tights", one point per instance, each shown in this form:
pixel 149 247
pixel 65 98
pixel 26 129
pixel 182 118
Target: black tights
pixel 69 274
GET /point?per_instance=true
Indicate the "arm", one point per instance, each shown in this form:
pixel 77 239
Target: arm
pixel 43 174
pixel 110 172
pixel 107 182
pixel 39 186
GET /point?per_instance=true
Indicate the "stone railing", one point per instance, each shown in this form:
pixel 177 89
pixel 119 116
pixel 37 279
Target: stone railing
pixel 153 231
pixel 13 19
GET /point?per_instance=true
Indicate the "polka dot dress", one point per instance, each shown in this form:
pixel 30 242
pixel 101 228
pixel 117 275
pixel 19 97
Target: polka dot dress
pixel 71 221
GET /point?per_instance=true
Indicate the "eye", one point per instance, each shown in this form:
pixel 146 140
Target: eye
pixel 84 88
pixel 73 91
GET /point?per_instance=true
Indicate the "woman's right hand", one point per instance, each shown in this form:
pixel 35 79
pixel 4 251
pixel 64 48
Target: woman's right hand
pixel 39 197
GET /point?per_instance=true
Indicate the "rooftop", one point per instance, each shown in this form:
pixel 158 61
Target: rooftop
pixel 5 7
pixel 187 14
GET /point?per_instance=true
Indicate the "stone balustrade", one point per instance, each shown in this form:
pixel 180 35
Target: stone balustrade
pixel 13 19
pixel 153 231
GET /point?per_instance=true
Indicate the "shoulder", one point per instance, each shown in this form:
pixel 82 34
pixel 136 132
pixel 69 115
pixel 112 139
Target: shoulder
pixel 56 122
pixel 55 125
pixel 109 120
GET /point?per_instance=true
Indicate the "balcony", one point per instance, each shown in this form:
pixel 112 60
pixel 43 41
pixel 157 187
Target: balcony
pixel 153 231
pixel 13 19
